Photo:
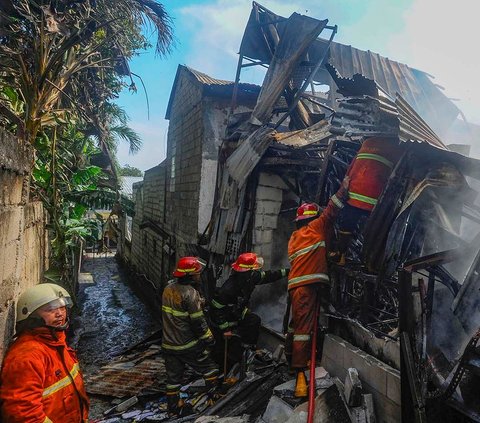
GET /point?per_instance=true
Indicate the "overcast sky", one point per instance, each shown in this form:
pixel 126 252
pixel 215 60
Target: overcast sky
pixel 434 36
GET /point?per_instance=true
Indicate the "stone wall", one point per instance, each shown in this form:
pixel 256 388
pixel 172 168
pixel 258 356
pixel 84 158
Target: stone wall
pixel 23 242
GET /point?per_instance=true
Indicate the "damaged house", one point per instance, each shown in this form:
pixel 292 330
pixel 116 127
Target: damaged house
pixel 240 158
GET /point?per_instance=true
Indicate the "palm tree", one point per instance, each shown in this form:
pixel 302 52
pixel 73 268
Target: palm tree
pixel 60 56
pixel 62 64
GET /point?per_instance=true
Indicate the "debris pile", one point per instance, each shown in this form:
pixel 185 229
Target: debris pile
pixel 335 402
pixel 401 277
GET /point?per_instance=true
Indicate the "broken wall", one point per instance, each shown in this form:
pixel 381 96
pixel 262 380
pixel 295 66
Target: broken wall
pixel 378 378
pixel 23 238
pixel 270 239
pixel 174 204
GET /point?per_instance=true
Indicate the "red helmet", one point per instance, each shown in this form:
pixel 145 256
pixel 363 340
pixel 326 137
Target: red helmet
pixel 246 262
pixel 307 211
pixel 189 266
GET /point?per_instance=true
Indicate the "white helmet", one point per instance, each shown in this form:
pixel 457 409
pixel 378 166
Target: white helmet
pixel 40 295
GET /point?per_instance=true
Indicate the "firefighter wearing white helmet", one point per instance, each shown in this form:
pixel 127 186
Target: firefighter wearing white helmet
pixel 41 379
pixel 38 303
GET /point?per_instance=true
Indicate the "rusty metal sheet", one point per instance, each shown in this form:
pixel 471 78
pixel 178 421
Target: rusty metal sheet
pixel 415 86
pixel 135 374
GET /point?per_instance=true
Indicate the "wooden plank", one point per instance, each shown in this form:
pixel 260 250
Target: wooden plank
pixel 315 133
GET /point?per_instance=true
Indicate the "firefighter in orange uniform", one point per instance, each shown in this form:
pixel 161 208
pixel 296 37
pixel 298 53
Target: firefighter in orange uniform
pixel 41 380
pixel 308 280
pixel 368 173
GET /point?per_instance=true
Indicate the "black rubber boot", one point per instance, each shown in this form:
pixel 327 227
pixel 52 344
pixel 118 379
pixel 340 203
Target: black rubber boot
pixel 173 405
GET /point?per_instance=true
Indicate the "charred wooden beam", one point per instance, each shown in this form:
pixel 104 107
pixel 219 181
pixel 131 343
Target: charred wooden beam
pixel 320 132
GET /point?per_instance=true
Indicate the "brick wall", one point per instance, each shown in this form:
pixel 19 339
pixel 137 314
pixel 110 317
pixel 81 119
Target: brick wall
pixel 185 138
pixel 23 245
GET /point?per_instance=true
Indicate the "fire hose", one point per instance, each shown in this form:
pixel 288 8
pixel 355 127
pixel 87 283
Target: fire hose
pixel 313 359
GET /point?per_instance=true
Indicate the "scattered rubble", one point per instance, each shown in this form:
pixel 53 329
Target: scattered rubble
pixel 353 388
pixel 405 280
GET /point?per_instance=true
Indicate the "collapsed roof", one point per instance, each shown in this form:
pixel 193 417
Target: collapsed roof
pixel 427 98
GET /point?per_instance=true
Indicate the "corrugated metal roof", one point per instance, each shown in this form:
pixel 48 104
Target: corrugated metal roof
pixel 207 80
pixel 415 86
pixel 395 77
pixel 126 184
pixel 211 83
pixel 135 374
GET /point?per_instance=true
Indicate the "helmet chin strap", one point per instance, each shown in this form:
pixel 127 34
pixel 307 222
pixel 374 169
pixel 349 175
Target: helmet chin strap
pixel 60 328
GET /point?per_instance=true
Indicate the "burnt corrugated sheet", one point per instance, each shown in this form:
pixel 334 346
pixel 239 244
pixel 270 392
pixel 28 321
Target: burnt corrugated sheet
pixel 135 374
pixel 413 85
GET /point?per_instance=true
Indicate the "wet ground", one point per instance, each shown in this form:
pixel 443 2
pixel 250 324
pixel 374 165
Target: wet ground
pixel 111 318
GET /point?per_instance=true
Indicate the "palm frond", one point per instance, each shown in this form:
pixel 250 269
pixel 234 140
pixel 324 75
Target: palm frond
pixel 125 133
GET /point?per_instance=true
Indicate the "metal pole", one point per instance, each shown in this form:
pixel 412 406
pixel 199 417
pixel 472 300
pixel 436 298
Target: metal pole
pixel 313 359
pixel 237 80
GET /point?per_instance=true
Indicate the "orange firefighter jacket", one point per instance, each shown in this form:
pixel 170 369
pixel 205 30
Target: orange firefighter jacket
pixel 307 248
pixel 370 170
pixel 41 381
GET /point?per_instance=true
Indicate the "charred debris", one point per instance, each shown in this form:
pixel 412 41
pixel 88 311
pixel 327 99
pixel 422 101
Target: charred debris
pixel 411 273
pixel 408 294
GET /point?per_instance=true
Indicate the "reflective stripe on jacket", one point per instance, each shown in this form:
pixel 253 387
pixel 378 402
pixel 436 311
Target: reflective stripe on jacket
pixel 370 170
pixel 307 248
pixel 41 381
pixel 183 322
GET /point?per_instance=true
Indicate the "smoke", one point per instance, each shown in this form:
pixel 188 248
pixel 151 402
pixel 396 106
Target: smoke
pixel 441 38
pixel 455 319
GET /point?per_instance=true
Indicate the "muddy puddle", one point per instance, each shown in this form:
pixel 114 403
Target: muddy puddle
pixel 112 318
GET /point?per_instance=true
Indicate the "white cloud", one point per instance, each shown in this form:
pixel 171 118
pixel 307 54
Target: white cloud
pixel 218 29
pixel 442 38
pixel 154 137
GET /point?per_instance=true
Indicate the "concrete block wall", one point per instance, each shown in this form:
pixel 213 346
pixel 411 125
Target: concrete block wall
pixel 269 300
pixel 269 198
pixel 185 138
pixel 23 238
pixel 154 193
pixel 378 378
pixel 137 248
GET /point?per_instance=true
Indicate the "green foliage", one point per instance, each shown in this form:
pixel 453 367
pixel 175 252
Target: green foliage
pixel 62 65
pixel 128 170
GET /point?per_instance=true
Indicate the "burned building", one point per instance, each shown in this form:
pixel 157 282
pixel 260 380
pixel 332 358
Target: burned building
pixel 175 198
pixel 240 158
